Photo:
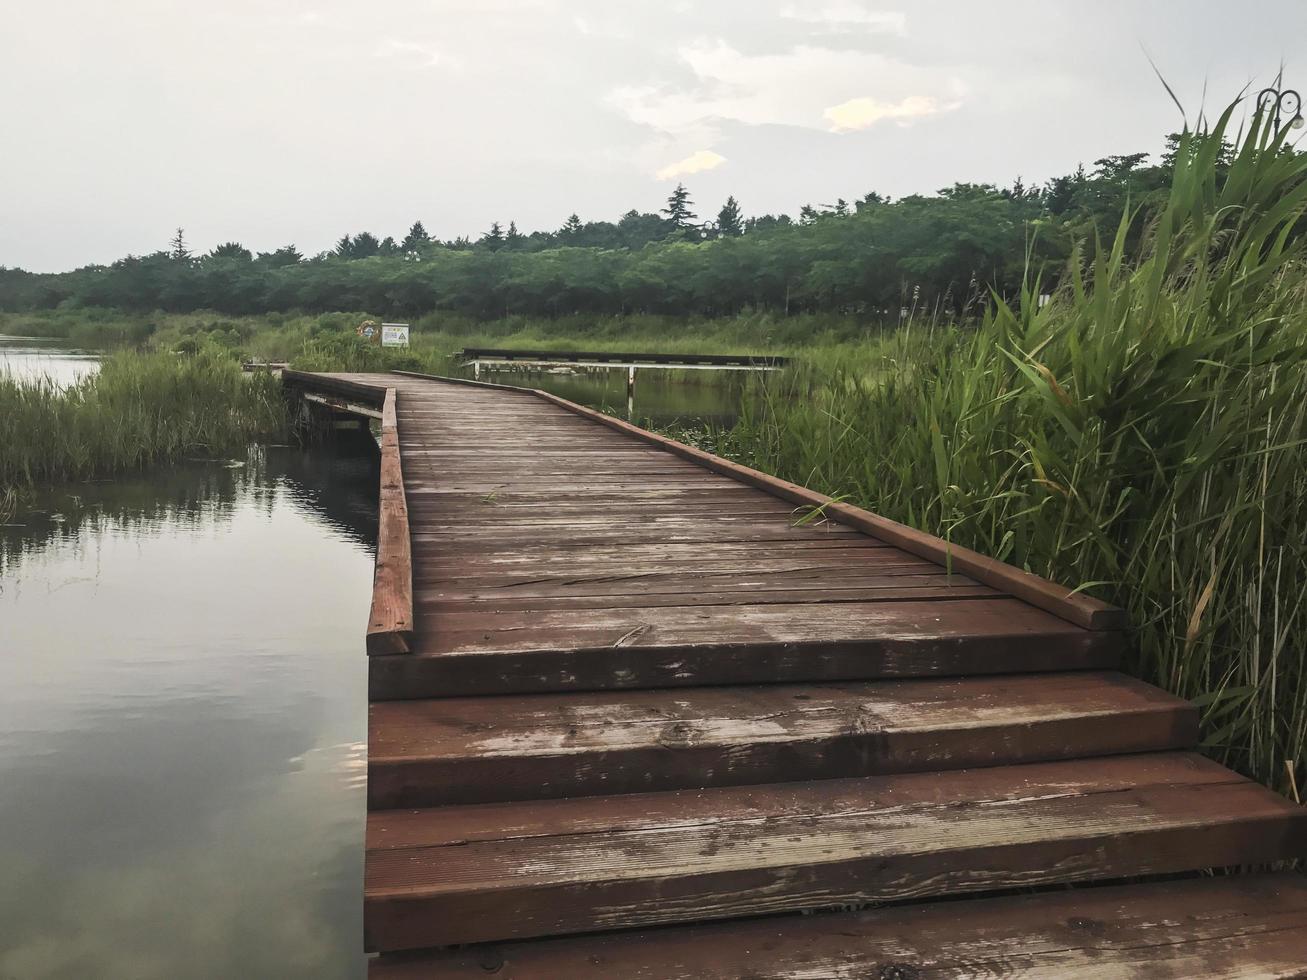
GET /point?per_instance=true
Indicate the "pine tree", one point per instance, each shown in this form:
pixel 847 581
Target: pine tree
pixel 365 245
pixel 494 238
pixel 177 247
pixel 678 208
pixel 345 247
pixel 514 237
pixel 416 240
pixel 571 229
pixel 729 222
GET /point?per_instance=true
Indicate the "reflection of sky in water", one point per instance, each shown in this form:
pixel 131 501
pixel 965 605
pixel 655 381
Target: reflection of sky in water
pixel 182 724
pixel 34 359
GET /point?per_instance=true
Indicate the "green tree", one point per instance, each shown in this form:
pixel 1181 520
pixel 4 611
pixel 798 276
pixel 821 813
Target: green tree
pixel 729 222
pixel 231 250
pixel 282 257
pixel 366 245
pixel 678 212
pixel 416 241
pixel 177 248
pixel 571 229
pixel 494 238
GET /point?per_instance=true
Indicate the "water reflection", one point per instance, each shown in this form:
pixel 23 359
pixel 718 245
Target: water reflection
pixel 37 358
pixel 182 722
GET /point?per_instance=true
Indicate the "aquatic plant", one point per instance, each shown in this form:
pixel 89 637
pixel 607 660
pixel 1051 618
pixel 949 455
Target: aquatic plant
pixel 139 409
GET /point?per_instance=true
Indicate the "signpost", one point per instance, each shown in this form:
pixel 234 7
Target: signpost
pixel 394 335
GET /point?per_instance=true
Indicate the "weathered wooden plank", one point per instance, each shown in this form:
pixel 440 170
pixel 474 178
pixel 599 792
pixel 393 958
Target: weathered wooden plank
pixel 1076 607
pixel 473 750
pixel 824 595
pixel 857 624
pixel 673 581
pixel 984 830
pixel 390 621
pixel 680 648
pixel 1249 927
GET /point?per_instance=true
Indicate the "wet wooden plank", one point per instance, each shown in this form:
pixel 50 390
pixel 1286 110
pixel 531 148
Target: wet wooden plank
pixel 984 830
pixel 1251 927
pixel 425 753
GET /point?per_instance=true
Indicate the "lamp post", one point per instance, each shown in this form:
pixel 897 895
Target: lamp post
pixel 1283 101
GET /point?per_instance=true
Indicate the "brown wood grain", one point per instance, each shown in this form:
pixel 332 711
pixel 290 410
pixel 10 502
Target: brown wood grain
pixel 992 830
pixel 1250 926
pixel 468 750
pixel 390 621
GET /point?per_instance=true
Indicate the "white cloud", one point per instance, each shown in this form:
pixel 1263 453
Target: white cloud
pixel 855 114
pixel 791 88
pixel 696 162
pixel 844 13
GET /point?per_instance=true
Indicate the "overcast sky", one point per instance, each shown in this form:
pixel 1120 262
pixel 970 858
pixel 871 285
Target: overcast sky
pixel 298 120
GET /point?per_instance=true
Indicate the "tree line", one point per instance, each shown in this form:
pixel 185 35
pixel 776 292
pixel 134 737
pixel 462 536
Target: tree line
pixel 872 256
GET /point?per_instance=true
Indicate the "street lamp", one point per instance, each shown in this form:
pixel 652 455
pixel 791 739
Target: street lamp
pixel 1283 101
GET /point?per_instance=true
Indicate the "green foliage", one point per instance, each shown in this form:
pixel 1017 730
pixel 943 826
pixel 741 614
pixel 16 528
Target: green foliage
pixel 136 411
pixel 1143 436
pixel 871 259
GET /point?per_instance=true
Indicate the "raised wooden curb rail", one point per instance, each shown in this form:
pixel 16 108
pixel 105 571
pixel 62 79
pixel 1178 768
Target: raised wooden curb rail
pixel 643 716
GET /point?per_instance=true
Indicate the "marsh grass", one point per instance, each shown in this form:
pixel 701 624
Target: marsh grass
pixel 138 410
pixel 1143 436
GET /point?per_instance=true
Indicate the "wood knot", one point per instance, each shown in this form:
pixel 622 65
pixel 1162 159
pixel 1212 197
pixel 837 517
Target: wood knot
pixel 898 971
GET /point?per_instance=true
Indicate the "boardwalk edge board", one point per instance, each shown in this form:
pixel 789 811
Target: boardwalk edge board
pixel 1075 607
pixel 390 619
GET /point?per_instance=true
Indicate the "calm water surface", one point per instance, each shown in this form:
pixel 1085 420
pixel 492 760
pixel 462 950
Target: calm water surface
pixel 35 358
pixel 183 722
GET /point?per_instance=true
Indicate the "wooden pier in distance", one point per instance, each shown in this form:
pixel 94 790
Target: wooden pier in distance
pixel 630 719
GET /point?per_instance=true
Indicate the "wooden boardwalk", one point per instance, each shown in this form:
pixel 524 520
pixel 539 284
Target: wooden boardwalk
pixel 628 719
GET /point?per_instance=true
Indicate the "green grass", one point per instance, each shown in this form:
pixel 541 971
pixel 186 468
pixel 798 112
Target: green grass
pixel 138 410
pixel 1143 436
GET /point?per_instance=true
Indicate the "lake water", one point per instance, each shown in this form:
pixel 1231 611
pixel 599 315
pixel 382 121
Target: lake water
pixel 183 722
pixel 35 358
pixel 183 703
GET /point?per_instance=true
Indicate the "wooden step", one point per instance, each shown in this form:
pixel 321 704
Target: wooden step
pixel 477 750
pixel 466 653
pixel 1247 926
pixel 502 871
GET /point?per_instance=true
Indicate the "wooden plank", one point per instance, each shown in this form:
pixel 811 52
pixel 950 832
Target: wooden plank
pixel 390 621
pixel 1248 927
pixel 823 595
pixel 678 647
pixel 1078 608
pixel 474 750
pixel 857 624
pixel 875 839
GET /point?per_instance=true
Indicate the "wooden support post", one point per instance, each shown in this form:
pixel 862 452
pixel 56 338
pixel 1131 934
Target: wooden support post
pixel 630 381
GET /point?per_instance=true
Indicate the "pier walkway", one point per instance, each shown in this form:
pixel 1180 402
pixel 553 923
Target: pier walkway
pixel 636 708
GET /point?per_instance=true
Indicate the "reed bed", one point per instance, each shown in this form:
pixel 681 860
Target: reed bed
pixel 1142 436
pixel 138 410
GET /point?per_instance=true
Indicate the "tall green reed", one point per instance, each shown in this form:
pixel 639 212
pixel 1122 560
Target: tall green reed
pixel 1143 436
pixel 137 410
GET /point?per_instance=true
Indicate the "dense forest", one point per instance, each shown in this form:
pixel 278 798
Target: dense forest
pixel 874 257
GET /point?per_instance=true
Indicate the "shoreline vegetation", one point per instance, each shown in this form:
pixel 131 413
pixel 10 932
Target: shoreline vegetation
pixel 1134 424
pixel 138 410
